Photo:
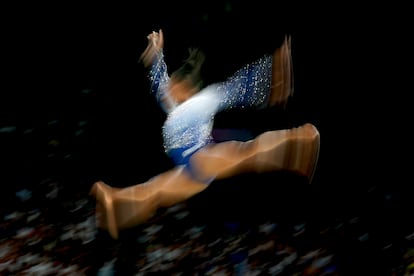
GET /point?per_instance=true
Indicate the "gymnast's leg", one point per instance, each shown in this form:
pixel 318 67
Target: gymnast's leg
pixel 120 208
pixel 295 150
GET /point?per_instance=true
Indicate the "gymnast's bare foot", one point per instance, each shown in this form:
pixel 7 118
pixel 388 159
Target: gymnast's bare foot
pixel 295 150
pixel 303 150
pixel 105 213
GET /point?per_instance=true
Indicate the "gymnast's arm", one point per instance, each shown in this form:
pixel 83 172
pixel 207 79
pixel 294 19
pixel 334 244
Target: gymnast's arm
pixel 153 58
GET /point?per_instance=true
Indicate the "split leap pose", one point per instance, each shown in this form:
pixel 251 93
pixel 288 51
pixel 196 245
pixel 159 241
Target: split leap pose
pixel 187 133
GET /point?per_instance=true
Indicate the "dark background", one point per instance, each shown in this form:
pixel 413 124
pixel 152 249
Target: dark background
pixel 79 107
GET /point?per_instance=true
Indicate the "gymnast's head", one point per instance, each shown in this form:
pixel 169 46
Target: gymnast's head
pixel 187 79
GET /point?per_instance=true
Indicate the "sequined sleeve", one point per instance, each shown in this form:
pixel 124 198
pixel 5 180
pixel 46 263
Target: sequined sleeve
pixel 249 87
pixel 159 78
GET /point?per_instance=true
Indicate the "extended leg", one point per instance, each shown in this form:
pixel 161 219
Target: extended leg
pixel 295 149
pixel 120 208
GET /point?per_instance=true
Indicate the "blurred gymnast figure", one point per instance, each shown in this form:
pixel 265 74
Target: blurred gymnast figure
pixel 187 134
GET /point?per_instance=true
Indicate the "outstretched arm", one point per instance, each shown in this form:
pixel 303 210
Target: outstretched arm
pixel 153 58
pixel 265 82
pixel 154 47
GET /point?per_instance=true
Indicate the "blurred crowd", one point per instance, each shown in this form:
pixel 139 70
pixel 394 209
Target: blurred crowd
pixel 54 233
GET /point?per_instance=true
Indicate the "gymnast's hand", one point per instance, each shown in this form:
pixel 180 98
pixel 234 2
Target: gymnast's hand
pixel 155 45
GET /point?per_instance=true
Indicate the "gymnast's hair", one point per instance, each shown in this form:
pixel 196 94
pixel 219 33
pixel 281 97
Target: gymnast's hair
pixel 190 70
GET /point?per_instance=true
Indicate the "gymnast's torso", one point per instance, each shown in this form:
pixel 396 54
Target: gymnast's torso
pixel 188 126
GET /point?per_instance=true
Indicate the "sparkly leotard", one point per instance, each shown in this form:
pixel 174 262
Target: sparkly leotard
pixel 188 126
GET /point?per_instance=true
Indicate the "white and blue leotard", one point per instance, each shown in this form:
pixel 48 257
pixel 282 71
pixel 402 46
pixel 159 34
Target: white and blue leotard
pixel 188 126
